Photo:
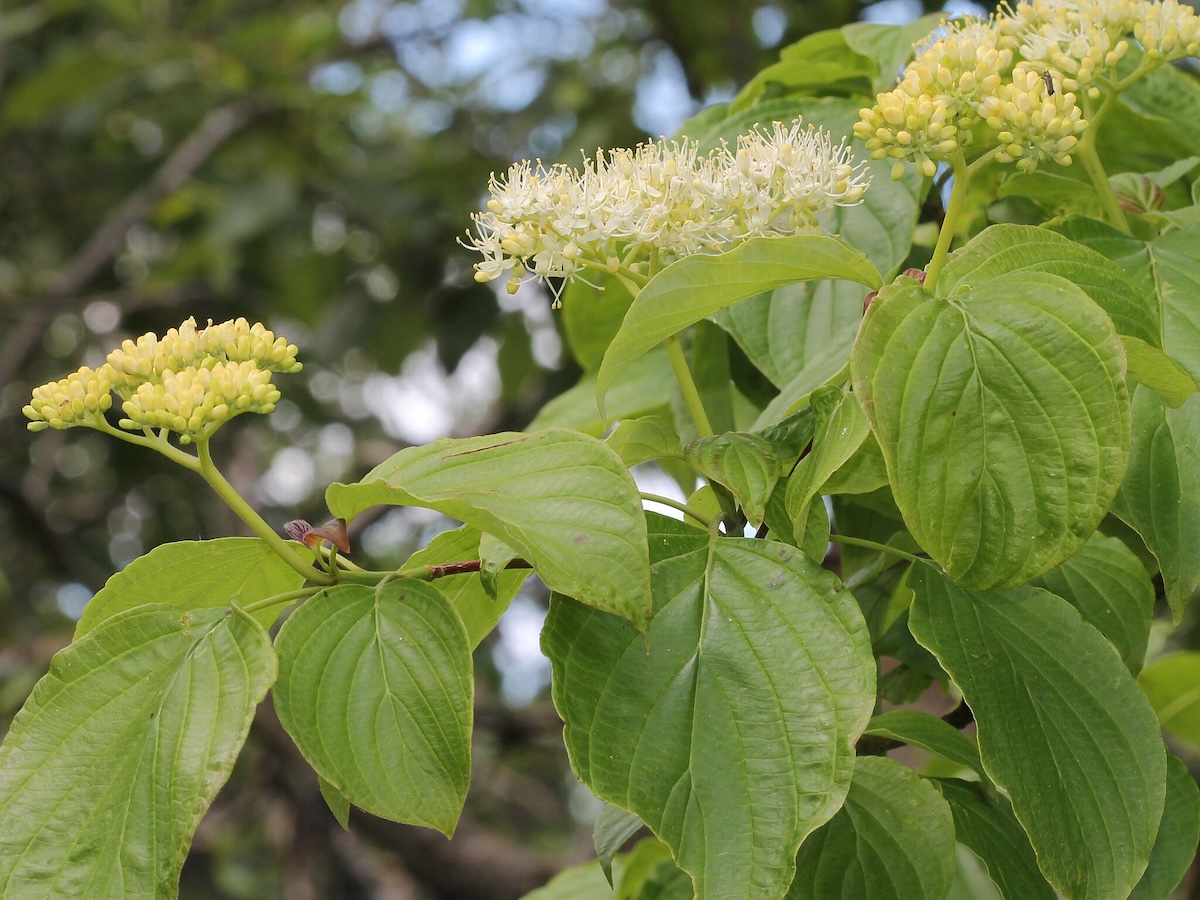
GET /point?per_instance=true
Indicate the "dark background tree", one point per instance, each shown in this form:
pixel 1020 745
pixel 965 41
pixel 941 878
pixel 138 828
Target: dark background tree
pixel 311 166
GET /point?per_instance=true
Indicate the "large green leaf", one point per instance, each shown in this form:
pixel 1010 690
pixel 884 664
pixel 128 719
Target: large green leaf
pixel 1003 417
pixel 1160 497
pixel 563 500
pixel 375 688
pixel 122 746
pixel 1063 728
pixel 893 840
pixel 985 823
pixel 196 575
pixel 1178 835
pixel 1172 685
pixel 478 610
pixel 695 287
pixel 1006 249
pixel 730 730
pixel 1111 590
pixel 1131 254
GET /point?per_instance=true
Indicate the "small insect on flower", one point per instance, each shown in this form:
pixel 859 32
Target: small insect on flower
pixel 1049 79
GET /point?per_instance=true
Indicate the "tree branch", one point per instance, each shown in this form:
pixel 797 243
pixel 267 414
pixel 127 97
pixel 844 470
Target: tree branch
pixel 216 128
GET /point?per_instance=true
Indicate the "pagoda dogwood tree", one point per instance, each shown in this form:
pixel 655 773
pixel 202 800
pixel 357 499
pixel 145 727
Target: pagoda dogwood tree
pixel 983 470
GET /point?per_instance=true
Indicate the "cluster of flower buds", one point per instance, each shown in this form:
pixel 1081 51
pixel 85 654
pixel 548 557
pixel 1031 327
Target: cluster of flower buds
pixel 644 208
pixel 190 381
pixel 966 74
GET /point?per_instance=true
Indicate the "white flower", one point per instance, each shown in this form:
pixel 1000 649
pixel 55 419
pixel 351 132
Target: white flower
pixel 658 202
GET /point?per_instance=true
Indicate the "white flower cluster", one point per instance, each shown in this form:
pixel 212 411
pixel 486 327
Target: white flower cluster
pixel 641 209
pixel 190 381
pixel 1062 48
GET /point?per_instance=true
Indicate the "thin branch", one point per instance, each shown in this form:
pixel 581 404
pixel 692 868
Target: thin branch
pixel 216 128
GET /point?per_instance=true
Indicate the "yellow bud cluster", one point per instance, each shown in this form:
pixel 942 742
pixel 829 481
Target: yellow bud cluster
pixel 1031 124
pixel 905 125
pixel 233 341
pixel 195 402
pixel 190 381
pixel 81 398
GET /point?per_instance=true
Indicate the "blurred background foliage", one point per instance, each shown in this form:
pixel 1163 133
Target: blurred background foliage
pixel 310 165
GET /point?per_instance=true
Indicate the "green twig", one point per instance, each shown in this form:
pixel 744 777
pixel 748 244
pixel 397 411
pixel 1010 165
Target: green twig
pixel 691 396
pixel 209 472
pixel 1090 157
pixel 675 504
pixel 278 599
pixel 874 545
pixel 958 194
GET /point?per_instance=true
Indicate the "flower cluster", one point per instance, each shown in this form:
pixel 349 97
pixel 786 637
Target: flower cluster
pixel 1062 51
pixel 190 381
pixel 641 209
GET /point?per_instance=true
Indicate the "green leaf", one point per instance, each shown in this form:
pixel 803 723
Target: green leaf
pixel 1172 685
pixel 108 768
pixel 1009 249
pixel 1151 367
pixel 865 471
pixel 375 688
pixel 648 437
pixel 1172 99
pixel 196 575
pixel 1112 591
pixel 478 610
pixel 801 74
pixel 647 867
pixel 1132 255
pixel 730 730
pixel 841 428
pixel 494 555
pixel 563 500
pixel 1063 728
pixel 336 801
pixel 585 882
pixel 643 388
pixel 920 729
pixel 1160 497
pixel 985 823
pixel 827 367
pixel 1003 417
pixel 893 840
pixel 1178 271
pixel 614 827
pixel 697 286
pixel 591 317
pixel 891 46
pixel 1178 835
pixel 1059 194
pixel 784 330
pixel 744 463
